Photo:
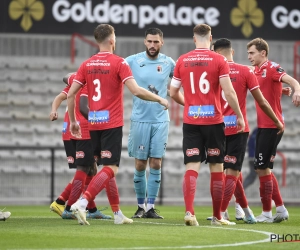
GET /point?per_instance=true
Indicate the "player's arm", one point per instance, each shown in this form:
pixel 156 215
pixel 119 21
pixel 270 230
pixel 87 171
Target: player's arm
pixel 66 77
pixel 84 106
pixel 176 95
pixel 287 91
pixel 232 100
pixel 55 105
pixel 74 127
pixel 145 94
pixel 266 107
pixel 295 85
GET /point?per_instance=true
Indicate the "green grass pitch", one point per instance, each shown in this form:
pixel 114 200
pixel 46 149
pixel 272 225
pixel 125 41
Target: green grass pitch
pixel 35 227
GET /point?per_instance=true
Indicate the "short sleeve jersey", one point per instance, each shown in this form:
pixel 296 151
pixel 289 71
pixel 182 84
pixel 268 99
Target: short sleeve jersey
pixel 105 75
pixel 269 76
pixel 199 72
pixel 243 79
pixel 66 124
pixel 83 123
pixel 154 76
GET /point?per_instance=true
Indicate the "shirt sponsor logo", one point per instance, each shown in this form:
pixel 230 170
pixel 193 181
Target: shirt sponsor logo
pixel 96 117
pixel 230 159
pixel 106 154
pixel 70 159
pixel 192 151
pixel 79 154
pixel 65 126
pixel 213 152
pixel 230 121
pixel 198 59
pixel 201 111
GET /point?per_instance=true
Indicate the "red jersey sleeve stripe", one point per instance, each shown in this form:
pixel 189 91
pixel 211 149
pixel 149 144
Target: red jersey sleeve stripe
pixel 125 79
pixel 64 92
pixel 254 88
pixel 79 82
pixel 281 76
pixel 221 76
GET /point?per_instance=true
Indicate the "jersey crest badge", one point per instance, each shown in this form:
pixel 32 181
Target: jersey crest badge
pixel 264 73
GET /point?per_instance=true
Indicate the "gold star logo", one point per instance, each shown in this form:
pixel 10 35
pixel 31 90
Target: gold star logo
pixel 28 9
pixel 247 14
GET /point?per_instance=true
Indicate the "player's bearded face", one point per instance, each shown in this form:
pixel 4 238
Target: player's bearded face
pixel 152 52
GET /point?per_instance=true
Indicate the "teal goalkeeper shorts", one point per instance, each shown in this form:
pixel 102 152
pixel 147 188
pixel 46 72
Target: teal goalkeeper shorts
pixel 147 139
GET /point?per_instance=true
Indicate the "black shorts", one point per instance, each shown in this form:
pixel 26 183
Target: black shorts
pixel 203 143
pixel 107 145
pixel 84 153
pixel 70 148
pixel 235 151
pixel 267 141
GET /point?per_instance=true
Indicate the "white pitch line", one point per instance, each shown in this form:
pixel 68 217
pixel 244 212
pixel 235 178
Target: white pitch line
pixel 172 247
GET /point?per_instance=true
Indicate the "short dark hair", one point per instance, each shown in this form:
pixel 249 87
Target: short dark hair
pixel 154 31
pixel 103 31
pixel 222 43
pixel 260 45
pixel 202 29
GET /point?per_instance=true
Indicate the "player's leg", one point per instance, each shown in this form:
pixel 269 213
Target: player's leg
pixel 84 162
pixel 58 206
pixel 93 211
pixel 265 143
pixel 215 149
pixel 111 146
pixel 138 147
pixel 193 150
pixel 281 211
pixel 159 138
pixel 250 178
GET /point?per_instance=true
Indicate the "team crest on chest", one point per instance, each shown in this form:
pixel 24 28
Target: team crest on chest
pixel 159 69
pixel 264 73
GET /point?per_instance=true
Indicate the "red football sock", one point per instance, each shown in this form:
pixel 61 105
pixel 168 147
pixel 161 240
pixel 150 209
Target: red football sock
pixel 266 190
pixel 91 205
pixel 77 186
pixel 64 196
pixel 216 190
pixel 189 189
pixel 113 194
pixel 276 196
pixel 230 184
pixel 240 195
pixel 241 177
pixel 99 182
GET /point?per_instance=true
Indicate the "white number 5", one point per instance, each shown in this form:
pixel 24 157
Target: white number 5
pixel 97 90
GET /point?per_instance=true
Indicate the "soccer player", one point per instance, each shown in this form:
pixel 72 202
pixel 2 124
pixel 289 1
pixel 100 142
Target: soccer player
pixel 243 79
pixel 149 128
pixel 4 215
pixel 270 77
pixel 105 74
pixel 72 147
pixel 203 74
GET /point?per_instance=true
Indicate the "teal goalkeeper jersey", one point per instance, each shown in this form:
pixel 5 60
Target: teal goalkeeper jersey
pixel 152 75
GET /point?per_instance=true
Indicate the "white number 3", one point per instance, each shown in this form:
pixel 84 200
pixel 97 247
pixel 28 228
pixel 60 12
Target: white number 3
pixel 97 90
